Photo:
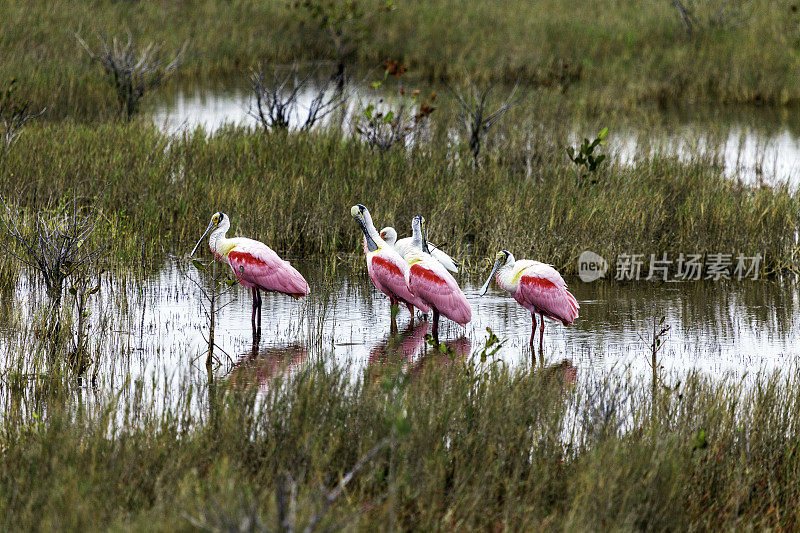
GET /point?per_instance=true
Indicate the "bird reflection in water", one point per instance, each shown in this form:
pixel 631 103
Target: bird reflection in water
pixel 259 365
pixel 564 372
pixel 411 347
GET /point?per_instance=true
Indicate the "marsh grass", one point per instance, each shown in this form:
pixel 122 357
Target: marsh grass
pixel 294 192
pixel 471 450
pixel 613 53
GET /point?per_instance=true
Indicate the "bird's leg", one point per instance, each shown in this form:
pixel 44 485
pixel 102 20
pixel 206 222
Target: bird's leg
pixel 253 314
pixel 435 328
pixel 411 310
pixel 541 339
pixel 533 334
pixel 258 312
pixel 393 310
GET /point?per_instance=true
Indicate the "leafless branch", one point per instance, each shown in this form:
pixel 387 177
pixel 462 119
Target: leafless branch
pixel 54 243
pixel 476 117
pixel 131 70
pixel 277 97
pixel 331 496
pixel 685 16
pixel 14 114
pixel 382 130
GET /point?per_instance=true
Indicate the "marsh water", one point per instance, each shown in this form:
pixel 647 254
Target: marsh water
pixel 154 330
pixel 755 144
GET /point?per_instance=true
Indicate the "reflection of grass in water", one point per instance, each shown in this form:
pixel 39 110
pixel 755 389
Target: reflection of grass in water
pixel 471 450
pixel 293 192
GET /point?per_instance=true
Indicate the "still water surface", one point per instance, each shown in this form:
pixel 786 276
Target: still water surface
pixel 154 329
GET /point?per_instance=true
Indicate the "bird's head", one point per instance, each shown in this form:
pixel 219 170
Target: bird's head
pixel 389 234
pixel 502 256
pixel 359 212
pixel 418 223
pixel 218 220
pixel 501 259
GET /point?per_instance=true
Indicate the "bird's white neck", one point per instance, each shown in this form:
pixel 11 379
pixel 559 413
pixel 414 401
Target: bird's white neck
pixel 217 239
pixel 505 274
pixel 416 236
pixel 371 233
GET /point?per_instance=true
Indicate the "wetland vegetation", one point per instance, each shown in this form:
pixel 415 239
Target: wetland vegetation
pixel 110 420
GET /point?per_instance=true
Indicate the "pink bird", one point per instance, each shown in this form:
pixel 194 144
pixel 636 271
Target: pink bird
pixel 386 268
pixel 432 283
pixel 254 264
pixel 537 287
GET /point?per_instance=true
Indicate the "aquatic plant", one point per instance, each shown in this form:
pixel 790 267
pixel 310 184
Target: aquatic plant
pixel 584 157
pixel 500 448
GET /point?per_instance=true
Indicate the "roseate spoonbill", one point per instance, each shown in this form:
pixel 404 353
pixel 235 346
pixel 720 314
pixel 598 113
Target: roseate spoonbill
pixel 389 235
pixel 386 268
pixel 254 264
pixel 537 287
pixel 430 280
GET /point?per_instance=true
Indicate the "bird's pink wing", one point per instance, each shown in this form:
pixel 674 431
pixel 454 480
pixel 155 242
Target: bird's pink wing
pixel 437 287
pixel 257 265
pixel 388 272
pixel 544 288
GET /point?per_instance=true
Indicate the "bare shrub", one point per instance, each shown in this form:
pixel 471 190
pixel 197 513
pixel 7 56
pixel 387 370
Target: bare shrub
pixel 54 242
pixel 14 114
pixel 475 114
pixel 382 130
pixel 276 99
pixel 131 70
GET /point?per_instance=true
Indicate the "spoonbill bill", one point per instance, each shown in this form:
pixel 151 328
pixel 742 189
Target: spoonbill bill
pixel 386 268
pixel 432 283
pixel 537 287
pixel 254 264
pixel 389 234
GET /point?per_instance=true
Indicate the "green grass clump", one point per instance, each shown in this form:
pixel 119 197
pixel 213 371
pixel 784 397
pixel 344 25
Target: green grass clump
pixel 614 53
pixel 466 450
pixel 294 192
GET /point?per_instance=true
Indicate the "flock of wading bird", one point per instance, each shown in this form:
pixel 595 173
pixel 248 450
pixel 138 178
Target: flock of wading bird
pixel 410 271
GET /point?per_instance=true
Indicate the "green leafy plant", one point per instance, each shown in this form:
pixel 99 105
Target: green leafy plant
pixel 585 159
pixel 490 347
pixel 383 129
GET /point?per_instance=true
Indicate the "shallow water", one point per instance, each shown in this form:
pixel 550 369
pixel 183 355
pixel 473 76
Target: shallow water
pixel 754 144
pixel 154 331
